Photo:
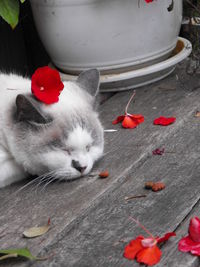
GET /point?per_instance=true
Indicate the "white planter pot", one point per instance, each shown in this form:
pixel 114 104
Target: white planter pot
pixel 112 35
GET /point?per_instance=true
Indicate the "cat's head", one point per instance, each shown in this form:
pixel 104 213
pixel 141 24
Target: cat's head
pixel 62 139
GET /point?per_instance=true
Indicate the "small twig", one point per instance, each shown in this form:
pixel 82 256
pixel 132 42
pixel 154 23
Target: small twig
pixel 132 197
pixel 166 88
pixel 13 89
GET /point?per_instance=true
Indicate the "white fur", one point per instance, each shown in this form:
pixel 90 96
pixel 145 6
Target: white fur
pixel 14 163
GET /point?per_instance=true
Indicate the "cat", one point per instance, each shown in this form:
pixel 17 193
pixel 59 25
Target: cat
pixel 61 141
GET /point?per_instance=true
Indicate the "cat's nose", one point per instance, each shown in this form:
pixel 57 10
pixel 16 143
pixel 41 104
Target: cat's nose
pixel 78 167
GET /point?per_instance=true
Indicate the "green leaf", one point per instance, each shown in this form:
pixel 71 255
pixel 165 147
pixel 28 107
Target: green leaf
pixel 22 1
pixel 23 252
pixel 9 11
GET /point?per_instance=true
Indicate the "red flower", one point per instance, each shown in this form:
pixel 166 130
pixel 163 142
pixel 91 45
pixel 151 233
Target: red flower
pixel 145 250
pixel 164 121
pixel 129 120
pixel 148 1
pixel 46 85
pixel 191 243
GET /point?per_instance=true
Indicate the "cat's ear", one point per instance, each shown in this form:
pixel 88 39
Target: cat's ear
pixel 89 80
pixel 28 110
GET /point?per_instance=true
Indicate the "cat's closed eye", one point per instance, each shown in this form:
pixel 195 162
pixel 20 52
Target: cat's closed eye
pixel 68 150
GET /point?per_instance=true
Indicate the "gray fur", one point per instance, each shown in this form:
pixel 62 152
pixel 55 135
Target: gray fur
pixel 89 80
pixel 62 140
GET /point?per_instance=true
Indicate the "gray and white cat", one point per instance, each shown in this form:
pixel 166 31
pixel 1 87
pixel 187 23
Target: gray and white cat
pixel 62 140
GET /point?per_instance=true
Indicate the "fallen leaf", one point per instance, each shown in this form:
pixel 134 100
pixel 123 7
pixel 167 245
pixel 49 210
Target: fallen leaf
pixel 22 252
pixel 36 231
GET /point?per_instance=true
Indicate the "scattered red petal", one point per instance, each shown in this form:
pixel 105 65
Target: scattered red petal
pixel 149 1
pixel 194 229
pixel 196 251
pixel 191 243
pixel 166 237
pixel 119 119
pixel 164 121
pixel 129 120
pixel 158 151
pixel 133 248
pixel 149 256
pixel 46 85
pixel 186 244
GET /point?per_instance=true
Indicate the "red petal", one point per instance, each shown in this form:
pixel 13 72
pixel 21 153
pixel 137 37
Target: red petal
pixel 46 85
pixel 119 119
pixel 133 248
pixel 164 121
pixel 149 256
pixel 187 244
pixel 128 122
pixel 138 117
pixel 166 237
pixel 158 151
pixel 196 251
pixel 194 229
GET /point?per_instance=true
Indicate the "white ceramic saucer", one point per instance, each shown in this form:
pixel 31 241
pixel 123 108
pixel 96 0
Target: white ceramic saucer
pixel 142 76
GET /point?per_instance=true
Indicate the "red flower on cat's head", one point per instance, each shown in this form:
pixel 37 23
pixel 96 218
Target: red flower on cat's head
pixel 46 85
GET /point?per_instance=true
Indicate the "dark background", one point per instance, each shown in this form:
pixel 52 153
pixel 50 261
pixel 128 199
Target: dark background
pixel 21 50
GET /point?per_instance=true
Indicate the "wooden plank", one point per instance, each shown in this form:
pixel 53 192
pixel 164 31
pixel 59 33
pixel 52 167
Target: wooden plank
pixel 126 150
pixel 97 237
pixel 174 257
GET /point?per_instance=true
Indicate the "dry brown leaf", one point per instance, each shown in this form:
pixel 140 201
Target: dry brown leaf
pixel 36 231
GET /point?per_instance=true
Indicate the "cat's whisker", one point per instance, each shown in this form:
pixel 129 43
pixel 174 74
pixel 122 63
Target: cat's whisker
pixel 27 184
pixel 44 178
pixel 50 181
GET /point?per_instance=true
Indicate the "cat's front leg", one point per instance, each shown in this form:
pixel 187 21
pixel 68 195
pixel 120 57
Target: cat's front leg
pixel 10 172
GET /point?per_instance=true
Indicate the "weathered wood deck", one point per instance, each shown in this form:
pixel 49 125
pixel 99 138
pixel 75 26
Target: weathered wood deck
pixel 90 218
